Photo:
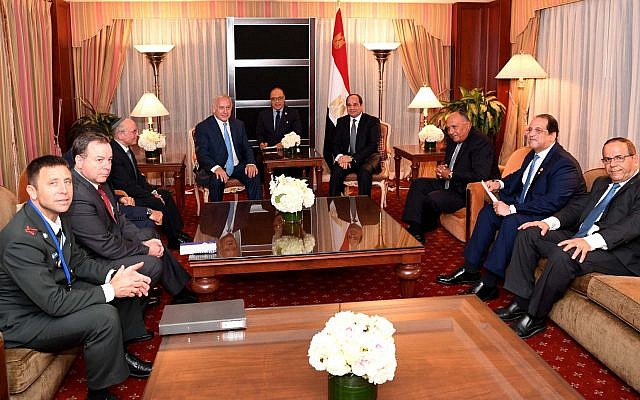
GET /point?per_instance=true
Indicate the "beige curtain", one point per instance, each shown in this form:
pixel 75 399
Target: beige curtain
pixel 519 98
pixel 26 126
pixel 98 65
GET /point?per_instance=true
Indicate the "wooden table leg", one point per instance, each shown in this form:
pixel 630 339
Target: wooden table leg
pixel 397 159
pixel 265 180
pixel 415 170
pixel 408 275
pixel 317 178
pixel 205 287
pixel 178 181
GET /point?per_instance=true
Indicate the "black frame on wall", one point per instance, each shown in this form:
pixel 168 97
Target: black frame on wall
pixel 267 52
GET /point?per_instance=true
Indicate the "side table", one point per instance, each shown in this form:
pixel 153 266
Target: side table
pixel 177 168
pixel 416 154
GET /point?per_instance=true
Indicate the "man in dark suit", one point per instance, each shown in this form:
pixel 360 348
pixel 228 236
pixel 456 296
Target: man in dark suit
pixel 548 178
pixel 105 233
pixel 276 121
pixel 126 176
pixel 355 148
pixel 223 151
pixel 595 232
pixel 469 158
pixel 55 297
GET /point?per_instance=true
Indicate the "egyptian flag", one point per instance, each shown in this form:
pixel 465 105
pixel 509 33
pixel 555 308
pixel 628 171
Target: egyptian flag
pixel 338 86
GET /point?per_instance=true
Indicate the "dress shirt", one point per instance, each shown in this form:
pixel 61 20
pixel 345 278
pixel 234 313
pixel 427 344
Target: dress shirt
pixel 351 122
pixel 233 148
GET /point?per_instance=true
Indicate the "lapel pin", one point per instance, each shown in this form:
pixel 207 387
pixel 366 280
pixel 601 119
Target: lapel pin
pixel 31 231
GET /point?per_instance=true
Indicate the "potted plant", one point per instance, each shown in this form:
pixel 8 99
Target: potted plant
pixel 484 110
pixel 93 118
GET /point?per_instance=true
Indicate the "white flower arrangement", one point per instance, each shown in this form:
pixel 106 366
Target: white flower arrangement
pixel 288 245
pixel 291 139
pixel 355 343
pixel 290 194
pixel 431 133
pixel 150 140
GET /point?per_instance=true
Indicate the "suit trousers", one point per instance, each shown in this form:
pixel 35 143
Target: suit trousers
pixel 364 172
pixel 483 249
pixel 427 199
pixel 171 220
pixel 559 272
pixel 253 185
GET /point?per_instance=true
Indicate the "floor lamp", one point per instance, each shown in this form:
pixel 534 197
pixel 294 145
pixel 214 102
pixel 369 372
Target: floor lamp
pixel 521 66
pixel 381 51
pixel 155 53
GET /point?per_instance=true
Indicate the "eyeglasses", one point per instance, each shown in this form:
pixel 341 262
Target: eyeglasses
pixel 619 158
pixel 535 130
pixel 279 98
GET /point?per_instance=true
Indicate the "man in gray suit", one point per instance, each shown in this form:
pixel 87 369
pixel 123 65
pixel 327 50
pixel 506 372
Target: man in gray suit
pixel 54 297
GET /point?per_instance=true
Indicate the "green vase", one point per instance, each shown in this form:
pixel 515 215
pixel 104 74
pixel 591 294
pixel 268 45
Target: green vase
pixel 351 387
pixel 292 216
pixel 429 146
pixel 153 157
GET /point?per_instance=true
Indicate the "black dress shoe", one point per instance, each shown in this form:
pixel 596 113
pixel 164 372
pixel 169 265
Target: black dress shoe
pixel 137 367
pixel 151 301
pixel 184 238
pixel 511 312
pixel 416 232
pixel 459 276
pixel 185 297
pixel 155 292
pixel 528 326
pixel 483 291
pixel 141 338
pixel 102 394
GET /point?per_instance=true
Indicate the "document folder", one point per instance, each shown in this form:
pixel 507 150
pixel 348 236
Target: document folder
pixel 203 317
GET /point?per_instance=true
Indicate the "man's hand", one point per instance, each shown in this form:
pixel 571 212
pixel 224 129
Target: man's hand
pixel 544 228
pixel 128 282
pixel 443 171
pixel 251 170
pixel 279 146
pixel 493 186
pixel 155 246
pixel 221 174
pixel 127 201
pixel 264 145
pixel 157 196
pixel 501 208
pixel 345 161
pixel 581 248
pixel 156 217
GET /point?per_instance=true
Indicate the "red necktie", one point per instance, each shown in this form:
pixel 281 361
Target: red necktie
pixel 345 242
pixel 106 201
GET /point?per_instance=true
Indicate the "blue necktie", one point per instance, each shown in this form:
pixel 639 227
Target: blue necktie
pixel 527 182
pixel 228 167
pixel 597 211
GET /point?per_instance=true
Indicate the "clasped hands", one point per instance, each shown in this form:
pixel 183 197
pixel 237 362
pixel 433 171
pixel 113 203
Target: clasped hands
pixel 155 246
pixel 344 161
pixel 250 170
pixel 580 245
pixel 443 171
pixel 128 282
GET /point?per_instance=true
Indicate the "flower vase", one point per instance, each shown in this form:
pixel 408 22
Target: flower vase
pixel 429 146
pixel 290 152
pixel 153 157
pixel 292 216
pixel 351 387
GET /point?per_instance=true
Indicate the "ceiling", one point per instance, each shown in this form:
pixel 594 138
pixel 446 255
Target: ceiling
pixel 299 1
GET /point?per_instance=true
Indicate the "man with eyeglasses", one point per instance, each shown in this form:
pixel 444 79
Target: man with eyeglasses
pixel 545 182
pixel 595 232
pixel 276 121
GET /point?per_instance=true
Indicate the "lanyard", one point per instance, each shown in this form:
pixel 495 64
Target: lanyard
pixel 57 244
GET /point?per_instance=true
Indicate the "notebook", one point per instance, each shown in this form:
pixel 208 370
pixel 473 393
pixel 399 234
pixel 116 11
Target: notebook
pixel 203 317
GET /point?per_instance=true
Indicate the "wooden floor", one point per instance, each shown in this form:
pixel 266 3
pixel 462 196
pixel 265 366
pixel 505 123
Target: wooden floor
pixel 446 348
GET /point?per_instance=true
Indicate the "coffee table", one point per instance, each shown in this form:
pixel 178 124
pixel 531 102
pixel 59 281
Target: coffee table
pixel 446 347
pixel 306 157
pixel 374 238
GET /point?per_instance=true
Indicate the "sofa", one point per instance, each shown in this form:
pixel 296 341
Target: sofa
pixel 29 374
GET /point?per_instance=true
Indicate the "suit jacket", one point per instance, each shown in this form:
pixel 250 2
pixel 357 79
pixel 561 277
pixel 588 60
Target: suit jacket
pixel 213 225
pixel 619 221
pixel 475 161
pixel 367 138
pixel 94 228
pixel 557 179
pixel 33 285
pixel 289 121
pixel 125 177
pixel 211 149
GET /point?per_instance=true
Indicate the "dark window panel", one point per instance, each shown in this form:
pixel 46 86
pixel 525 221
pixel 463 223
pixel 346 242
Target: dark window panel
pixel 250 115
pixel 254 83
pixel 254 42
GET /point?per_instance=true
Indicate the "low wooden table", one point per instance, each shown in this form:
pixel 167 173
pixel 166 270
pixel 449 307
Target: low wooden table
pixel 376 239
pixel 446 348
pixel 416 154
pixel 306 158
pixel 175 165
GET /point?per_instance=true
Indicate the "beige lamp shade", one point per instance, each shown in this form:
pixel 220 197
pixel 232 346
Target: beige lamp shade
pixel 522 66
pixel 154 48
pixel 425 98
pixel 149 106
pixel 385 46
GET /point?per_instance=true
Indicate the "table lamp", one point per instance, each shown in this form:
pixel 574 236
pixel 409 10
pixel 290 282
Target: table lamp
pixel 425 99
pixel 149 106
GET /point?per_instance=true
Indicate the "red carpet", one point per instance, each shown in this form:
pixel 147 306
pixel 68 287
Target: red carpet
pixel 442 254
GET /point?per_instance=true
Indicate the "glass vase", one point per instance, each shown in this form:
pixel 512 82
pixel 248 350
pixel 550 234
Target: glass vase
pixel 153 157
pixel 292 216
pixel 429 146
pixel 351 387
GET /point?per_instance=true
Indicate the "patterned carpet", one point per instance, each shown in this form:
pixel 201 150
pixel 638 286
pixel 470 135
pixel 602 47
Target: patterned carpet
pixel 442 254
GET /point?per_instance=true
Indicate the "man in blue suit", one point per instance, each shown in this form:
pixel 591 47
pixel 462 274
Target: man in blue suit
pixel 223 151
pixel 547 179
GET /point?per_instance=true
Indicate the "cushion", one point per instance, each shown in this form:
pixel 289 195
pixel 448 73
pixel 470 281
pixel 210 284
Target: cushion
pixel 580 284
pixel 24 366
pixel 618 294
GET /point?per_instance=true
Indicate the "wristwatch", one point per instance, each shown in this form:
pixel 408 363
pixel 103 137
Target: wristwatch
pixel 149 212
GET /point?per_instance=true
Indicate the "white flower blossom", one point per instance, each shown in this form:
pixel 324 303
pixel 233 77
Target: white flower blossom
pixel 431 133
pixel 289 140
pixel 290 194
pixel 151 140
pixel 287 245
pixel 355 343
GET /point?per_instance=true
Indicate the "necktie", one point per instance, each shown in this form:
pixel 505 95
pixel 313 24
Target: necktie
pixel 453 162
pixel 132 159
pixel 527 182
pixel 352 137
pixel 597 211
pixel 275 126
pixel 228 167
pixel 59 237
pixel 106 202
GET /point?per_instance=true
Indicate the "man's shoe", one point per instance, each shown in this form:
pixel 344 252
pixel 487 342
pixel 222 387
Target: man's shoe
pixel 173 244
pixel 137 367
pixel 184 238
pixel 511 312
pixel 141 338
pixel 150 301
pixel 459 276
pixel 528 326
pixel 102 394
pixel 419 237
pixel 155 292
pixel 484 292
pixel 185 297
pixel 416 232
